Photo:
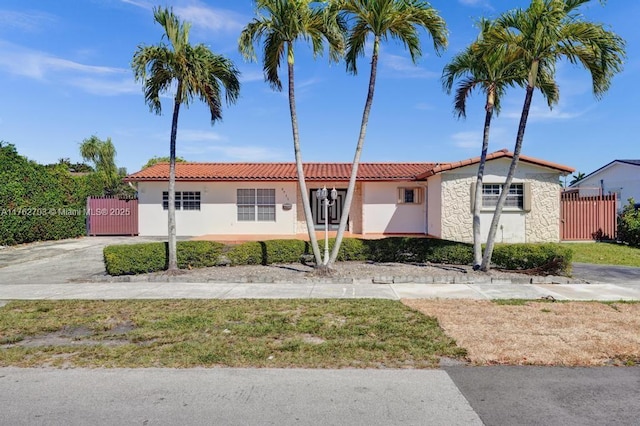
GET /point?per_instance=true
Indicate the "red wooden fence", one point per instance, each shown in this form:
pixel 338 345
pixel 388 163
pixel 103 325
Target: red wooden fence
pixel 588 218
pixel 112 216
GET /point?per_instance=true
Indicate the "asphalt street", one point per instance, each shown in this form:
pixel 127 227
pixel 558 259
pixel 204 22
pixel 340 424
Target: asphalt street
pixel 458 395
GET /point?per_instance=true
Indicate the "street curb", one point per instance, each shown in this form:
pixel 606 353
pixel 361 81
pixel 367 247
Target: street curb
pixel 265 279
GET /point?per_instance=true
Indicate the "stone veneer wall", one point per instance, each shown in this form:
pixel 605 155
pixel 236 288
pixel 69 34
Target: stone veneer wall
pixel 543 222
pixel 457 218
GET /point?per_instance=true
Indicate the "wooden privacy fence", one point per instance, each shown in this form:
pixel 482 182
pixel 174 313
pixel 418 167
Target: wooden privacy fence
pixel 587 217
pixel 112 216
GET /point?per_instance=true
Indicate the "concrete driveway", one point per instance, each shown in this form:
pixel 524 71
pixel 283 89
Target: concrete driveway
pixel 56 262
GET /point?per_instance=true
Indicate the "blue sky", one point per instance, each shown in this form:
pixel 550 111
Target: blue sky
pixel 65 75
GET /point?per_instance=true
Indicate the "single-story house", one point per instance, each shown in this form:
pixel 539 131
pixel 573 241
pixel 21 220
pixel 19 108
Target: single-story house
pixel 390 198
pixel 621 177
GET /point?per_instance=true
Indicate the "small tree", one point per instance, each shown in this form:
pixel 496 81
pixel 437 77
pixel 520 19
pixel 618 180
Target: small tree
pixel 103 156
pixel 155 160
pixel 629 224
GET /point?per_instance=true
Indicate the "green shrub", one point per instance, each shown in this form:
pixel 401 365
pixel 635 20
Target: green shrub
pixel 249 253
pixel 406 249
pixel 629 224
pixel 351 249
pixel 131 259
pixel 546 258
pixel 282 251
pixel 198 254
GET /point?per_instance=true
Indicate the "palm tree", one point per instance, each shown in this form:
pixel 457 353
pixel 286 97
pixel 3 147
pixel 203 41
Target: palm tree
pixel 281 23
pixel 196 72
pixel 541 35
pixel 382 19
pixel 577 177
pixel 103 155
pixel 493 73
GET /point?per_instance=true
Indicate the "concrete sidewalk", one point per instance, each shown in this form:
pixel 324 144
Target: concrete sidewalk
pixel 168 290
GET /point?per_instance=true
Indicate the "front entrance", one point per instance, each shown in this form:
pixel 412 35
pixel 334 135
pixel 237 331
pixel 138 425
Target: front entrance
pixel 335 211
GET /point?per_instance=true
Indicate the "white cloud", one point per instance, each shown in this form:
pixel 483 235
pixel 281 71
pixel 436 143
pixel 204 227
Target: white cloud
pixel 467 140
pixel 215 20
pixel 472 140
pixel 474 3
pixel 403 67
pixel 543 113
pixel 107 87
pixel 139 3
pixel 250 76
pixel 26 21
pixel 94 79
pixel 187 135
pixel 34 64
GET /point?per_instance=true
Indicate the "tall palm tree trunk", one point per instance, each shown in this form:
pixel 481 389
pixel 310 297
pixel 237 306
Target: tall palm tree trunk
pixel 477 200
pixel 296 148
pixel 488 251
pixel 173 257
pixel 356 158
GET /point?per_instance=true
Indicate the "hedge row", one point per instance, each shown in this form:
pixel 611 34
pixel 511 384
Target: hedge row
pixel 34 197
pixel 132 259
pixel 152 257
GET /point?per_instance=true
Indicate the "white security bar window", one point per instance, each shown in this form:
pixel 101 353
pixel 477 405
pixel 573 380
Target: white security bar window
pixel 165 200
pixel 191 200
pixel 491 192
pixel 185 200
pixel 256 204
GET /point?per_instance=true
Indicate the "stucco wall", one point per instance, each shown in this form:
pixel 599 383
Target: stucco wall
pixel 218 212
pixel 539 224
pixel 383 214
pixel 621 178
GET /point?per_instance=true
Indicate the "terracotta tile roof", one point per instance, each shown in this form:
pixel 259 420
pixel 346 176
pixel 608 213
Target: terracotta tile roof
pixel 318 171
pixel 439 168
pixel 281 172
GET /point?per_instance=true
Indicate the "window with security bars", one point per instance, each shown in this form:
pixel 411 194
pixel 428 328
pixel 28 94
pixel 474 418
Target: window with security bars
pixel 409 195
pixel 491 192
pixel 256 205
pixel 185 200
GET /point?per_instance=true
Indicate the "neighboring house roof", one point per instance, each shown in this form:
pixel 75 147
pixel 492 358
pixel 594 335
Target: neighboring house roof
pixel 316 171
pixel 606 166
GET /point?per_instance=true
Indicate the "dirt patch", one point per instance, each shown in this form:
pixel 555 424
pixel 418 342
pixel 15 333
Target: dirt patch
pixel 540 333
pixel 73 336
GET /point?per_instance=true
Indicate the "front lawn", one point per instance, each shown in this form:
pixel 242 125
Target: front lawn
pixel 230 333
pixel 605 254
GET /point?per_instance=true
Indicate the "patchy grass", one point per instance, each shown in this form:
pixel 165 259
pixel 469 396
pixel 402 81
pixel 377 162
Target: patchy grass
pixel 540 333
pixel 605 254
pixel 233 333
